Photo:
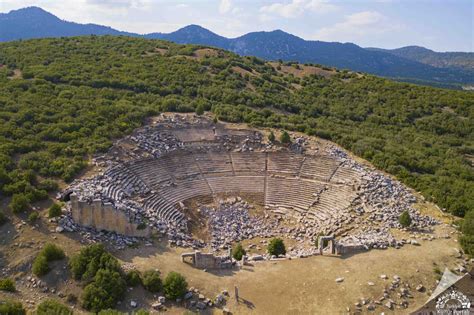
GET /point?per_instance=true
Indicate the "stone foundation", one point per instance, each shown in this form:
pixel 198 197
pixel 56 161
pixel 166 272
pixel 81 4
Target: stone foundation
pixel 207 260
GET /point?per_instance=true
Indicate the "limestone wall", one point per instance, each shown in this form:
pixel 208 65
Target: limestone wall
pixel 104 216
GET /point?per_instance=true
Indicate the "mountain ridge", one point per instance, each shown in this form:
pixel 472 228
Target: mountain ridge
pixel 418 65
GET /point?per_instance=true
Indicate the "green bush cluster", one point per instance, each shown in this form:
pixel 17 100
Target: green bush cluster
pixel 174 286
pixel 50 307
pixel 285 137
pixel 54 211
pixel 33 216
pixel 107 284
pixel 107 288
pixel 19 203
pixel 271 137
pixel 276 247
pixel 238 252
pixel 405 219
pixel 11 308
pixel 7 285
pixel 133 278
pixel 50 252
pixel 151 281
pixel 467 238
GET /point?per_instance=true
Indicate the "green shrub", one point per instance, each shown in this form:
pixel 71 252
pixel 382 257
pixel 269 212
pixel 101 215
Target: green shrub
pixel 49 253
pixel 95 299
pixel 90 259
pixel 200 109
pixel 54 211
pixel 104 292
pixel 3 218
pixel 271 137
pixel 33 217
pixel 50 307
pixel 52 252
pixel 276 247
pixel 48 185
pixel 238 252
pixel 11 308
pixel 467 244
pixel 152 281
pixel 19 203
pixel 174 286
pixel 405 219
pixel 7 285
pixel 40 266
pixel 467 227
pixel 285 138
pixel 133 278
pixel 110 312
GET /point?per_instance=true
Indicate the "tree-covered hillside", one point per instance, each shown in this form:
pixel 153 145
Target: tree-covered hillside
pixel 62 100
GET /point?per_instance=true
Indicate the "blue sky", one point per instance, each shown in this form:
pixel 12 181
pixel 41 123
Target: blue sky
pixel 441 25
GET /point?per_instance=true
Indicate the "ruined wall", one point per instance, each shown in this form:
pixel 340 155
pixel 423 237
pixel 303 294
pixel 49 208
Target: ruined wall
pixel 104 216
pixel 208 260
pixel 349 249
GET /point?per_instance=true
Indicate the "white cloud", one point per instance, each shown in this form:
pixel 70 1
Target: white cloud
pixel 126 4
pixel 225 6
pixel 296 8
pixel 357 26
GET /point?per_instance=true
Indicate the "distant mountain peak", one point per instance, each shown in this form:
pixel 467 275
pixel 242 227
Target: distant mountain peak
pixel 31 10
pixel 411 63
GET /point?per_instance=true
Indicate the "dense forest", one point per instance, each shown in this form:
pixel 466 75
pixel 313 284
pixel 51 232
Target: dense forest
pixel 62 100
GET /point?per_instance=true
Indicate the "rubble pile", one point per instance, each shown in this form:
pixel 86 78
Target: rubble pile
pixel 155 141
pixel 231 222
pixel 370 238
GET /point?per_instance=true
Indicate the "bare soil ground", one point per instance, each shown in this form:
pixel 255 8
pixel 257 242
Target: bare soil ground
pixel 303 70
pixel 16 74
pixel 307 286
pixel 242 71
pixel 206 52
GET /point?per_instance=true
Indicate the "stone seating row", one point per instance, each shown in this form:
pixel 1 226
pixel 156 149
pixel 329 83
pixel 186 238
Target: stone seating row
pixel 284 162
pixel 345 174
pixel 334 199
pixel 113 192
pixel 158 206
pixel 249 162
pixel 321 168
pixel 236 184
pixel 184 190
pixel 291 192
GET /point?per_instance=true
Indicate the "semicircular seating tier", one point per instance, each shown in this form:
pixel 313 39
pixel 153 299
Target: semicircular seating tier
pixel 316 185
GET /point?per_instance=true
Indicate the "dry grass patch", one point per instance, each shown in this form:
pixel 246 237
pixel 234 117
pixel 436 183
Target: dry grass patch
pixel 17 74
pixel 205 52
pixel 307 286
pixel 302 70
pixel 243 71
